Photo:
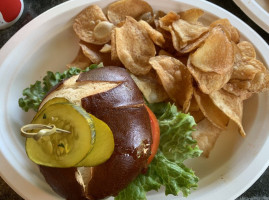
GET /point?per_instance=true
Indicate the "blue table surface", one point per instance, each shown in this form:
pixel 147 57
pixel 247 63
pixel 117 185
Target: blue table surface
pixel 33 8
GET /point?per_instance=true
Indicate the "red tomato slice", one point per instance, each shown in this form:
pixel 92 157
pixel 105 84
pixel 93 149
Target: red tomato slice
pixel 155 130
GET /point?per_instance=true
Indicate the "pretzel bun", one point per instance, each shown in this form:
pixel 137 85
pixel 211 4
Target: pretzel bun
pixel 110 94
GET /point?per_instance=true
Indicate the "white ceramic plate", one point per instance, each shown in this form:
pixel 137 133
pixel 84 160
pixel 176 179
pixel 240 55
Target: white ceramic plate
pixel 48 43
pixel 257 10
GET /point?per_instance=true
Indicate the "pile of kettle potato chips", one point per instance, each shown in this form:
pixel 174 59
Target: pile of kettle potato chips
pixel 204 69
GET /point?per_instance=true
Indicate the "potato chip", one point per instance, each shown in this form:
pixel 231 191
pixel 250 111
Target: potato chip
pixel 175 78
pixel 85 23
pixel 81 61
pixel 177 44
pixel 260 83
pixel 247 50
pixel 197 115
pixel 239 70
pixel 191 46
pixel 167 20
pixel 206 135
pixel 249 74
pixel 216 54
pixel 102 31
pixel 93 53
pixel 134 47
pixel 114 55
pixel 246 70
pixel 191 15
pixel 168 45
pixel 246 66
pixel 164 53
pixel 159 14
pixel 118 10
pixel 237 54
pixel 235 90
pixel 230 30
pixel 205 70
pixel 150 87
pixel 210 110
pixel 147 17
pixel 106 48
pixel 187 32
pixel 194 105
pixel 155 36
pixel 231 105
pixel 209 81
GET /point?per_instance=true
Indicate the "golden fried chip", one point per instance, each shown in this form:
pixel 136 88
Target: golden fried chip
pixel 93 53
pixel 247 50
pixel 216 54
pixel 197 115
pixel 191 15
pixel 168 19
pixel 230 30
pixel 260 83
pixel 194 105
pixel 106 48
pixel 86 25
pixel 81 61
pixel 175 78
pixel 231 105
pixel 235 90
pixel 168 45
pixel 155 36
pixel 194 44
pixel 164 53
pixel 210 110
pixel 249 74
pixel 246 70
pixel 118 10
pixel 177 44
pixel 191 46
pixel 156 16
pixel 206 135
pixel 187 32
pixel 246 66
pixel 209 81
pixel 150 87
pixel 147 17
pixel 114 55
pixel 134 47
pixel 159 14
pixel 239 69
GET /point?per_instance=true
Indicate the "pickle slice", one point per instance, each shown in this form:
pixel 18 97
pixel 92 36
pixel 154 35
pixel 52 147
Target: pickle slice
pixel 62 149
pixel 103 146
pixel 51 101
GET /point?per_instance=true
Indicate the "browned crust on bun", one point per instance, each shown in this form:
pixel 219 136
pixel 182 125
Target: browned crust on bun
pixel 123 109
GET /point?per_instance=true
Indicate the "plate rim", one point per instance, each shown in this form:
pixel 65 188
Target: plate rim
pixel 64 7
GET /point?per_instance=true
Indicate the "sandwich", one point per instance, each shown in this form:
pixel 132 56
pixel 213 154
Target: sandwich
pixel 110 94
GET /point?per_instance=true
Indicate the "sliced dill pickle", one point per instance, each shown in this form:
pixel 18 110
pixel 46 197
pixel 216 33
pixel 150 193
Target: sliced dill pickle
pixel 103 146
pixel 62 149
pixel 52 101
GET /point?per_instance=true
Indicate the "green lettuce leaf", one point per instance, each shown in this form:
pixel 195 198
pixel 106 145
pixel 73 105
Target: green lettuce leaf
pixel 176 141
pixel 34 94
pixel 167 168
